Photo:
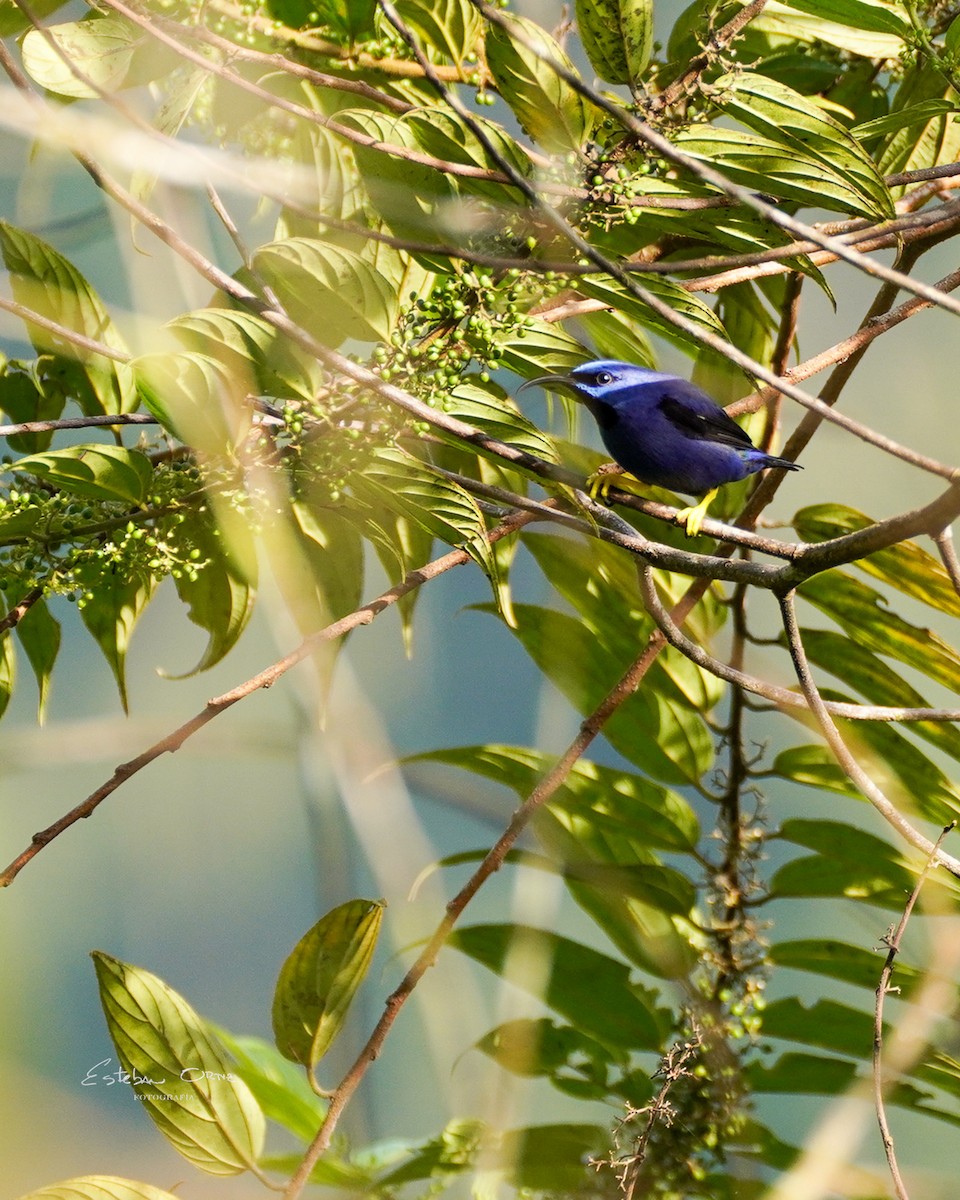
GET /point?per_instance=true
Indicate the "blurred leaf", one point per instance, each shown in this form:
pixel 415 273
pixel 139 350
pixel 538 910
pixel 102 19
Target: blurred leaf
pixel 196 398
pixel 590 990
pixel 879 16
pixel 178 1072
pixel 335 551
pixel 13 20
pixel 328 290
pixel 43 280
pixel 827 1024
pixel 97 470
pixel 840 960
pixel 39 634
pixel 450 1153
pixel 99 1187
pixel 320 978
pixel 813 766
pixel 536 1047
pixel 660 733
pixel 280 1088
pixel 547 107
pixel 552 1158
pixel 799 1074
pixel 626 805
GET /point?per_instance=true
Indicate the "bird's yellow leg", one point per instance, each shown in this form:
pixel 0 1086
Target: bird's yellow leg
pixel 692 518
pixel 600 482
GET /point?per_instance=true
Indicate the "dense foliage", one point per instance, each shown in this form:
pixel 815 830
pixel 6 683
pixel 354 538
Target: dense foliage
pixel 422 203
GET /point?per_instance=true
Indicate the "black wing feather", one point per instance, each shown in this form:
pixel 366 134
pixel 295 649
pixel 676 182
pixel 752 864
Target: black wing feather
pixel 698 417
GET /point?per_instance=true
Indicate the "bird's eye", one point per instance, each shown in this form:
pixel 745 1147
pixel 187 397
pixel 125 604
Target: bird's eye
pixel 604 377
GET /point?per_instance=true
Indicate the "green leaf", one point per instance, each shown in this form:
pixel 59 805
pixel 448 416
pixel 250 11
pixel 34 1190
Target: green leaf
pixel 862 613
pixel 39 634
pixel 43 280
pixel 840 960
pixel 547 107
pixel 612 292
pixel 335 550
pixel 96 470
pixel 280 1088
pixel 23 399
pixel 591 990
pixel 221 594
pixel 542 348
pixel 451 27
pixel 179 1073
pixel 328 290
pixel 552 1158
pixel 486 406
pixel 8 670
pixel 846 30
pixel 936 141
pixel 813 766
pixel 249 347
pixel 111 612
pixel 774 168
pixel 876 16
pixel 99 1187
pixel 14 21
pixel 320 978
pixel 101 47
pixel 917 114
pixel 539 1046
pixel 904 566
pixel 655 729
pixel 617 37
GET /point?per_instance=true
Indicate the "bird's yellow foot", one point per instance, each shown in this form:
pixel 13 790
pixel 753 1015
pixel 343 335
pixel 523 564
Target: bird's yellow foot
pixel 600 482
pixel 691 519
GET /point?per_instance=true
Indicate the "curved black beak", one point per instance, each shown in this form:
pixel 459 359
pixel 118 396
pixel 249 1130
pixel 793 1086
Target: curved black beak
pixel 554 381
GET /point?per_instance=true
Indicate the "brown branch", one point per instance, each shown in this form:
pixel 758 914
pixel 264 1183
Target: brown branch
pixel 16 614
pixel 264 679
pixel 718 42
pixel 883 988
pixel 104 420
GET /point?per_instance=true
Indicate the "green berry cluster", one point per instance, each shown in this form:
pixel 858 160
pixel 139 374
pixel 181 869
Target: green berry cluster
pixel 65 543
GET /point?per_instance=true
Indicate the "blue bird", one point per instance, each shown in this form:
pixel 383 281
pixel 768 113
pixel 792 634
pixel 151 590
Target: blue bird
pixel 665 431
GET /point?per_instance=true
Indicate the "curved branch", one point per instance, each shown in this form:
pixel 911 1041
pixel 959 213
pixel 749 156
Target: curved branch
pixel 848 763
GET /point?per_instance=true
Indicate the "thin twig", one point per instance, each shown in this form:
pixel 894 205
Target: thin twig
pixel 883 987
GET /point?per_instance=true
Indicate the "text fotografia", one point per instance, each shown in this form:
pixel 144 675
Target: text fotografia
pixel 97 1076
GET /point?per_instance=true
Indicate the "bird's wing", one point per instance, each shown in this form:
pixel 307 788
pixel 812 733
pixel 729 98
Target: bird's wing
pixel 695 415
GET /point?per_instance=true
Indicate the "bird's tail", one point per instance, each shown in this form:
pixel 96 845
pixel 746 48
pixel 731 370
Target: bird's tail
pixel 770 461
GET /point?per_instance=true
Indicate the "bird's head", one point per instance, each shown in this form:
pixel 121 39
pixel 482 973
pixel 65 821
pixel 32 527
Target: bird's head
pixel 601 382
